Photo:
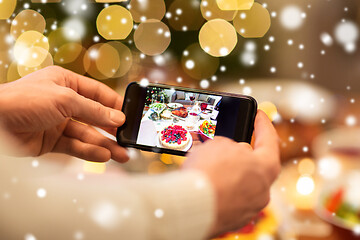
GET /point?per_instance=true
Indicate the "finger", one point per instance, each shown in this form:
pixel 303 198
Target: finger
pixel 111 131
pixel 266 138
pixel 76 106
pixel 89 135
pixel 93 89
pixel 77 148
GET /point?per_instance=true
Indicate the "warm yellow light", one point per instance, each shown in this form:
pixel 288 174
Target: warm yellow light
pixel 114 22
pixel 210 10
pixel 28 49
pixel 102 61
pixel 110 1
pixel 12 73
pixel 7 7
pixel 197 64
pixel 152 37
pixel 218 38
pixel 94 167
pixel 156 167
pixel 58 39
pixel 166 158
pixel 23 70
pixel 305 185
pixel 270 109
pixel 306 166
pixel 27 20
pixel 142 10
pixel 68 53
pixel 253 23
pixel 125 56
pixel 235 4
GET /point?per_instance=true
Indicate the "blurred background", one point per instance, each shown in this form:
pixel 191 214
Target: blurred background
pixel 298 58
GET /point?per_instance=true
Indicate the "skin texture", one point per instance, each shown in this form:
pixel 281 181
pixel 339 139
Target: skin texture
pixel 240 174
pixel 46 112
pixel 40 110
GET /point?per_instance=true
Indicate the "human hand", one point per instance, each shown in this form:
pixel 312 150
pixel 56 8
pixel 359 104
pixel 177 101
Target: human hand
pixel 40 110
pixel 241 175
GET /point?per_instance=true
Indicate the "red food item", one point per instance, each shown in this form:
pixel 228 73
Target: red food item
pixel 180 112
pixel 334 202
pixel 174 134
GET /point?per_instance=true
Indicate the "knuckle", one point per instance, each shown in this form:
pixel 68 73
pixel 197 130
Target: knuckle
pixel 66 95
pixel 54 68
pixel 245 146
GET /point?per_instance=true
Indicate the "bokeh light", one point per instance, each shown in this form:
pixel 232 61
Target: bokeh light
pixel 27 20
pixel 329 167
pixel 142 10
pixel 74 29
pixel 67 53
pixel 306 166
pixel 218 38
pixel 75 7
pixel 210 10
pixel 59 38
pixel 102 61
pixel 152 37
pixel 125 56
pixel 28 49
pixel 110 1
pixel 346 34
pixel 7 7
pixel 270 109
pixel 290 17
pixel 305 185
pixel 185 15
pixel 45 1
pixel 235 4
pixel 114 22
pixel 78 64
pixel 197 64
pixel 253 23
pixel 12 72
pixel 23 70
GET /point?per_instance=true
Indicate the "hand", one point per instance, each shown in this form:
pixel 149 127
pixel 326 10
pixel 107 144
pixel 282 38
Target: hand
pixel 241 175
pixel 49 111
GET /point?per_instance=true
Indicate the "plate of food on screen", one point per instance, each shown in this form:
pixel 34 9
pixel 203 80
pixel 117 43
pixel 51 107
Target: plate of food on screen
pixel 157 107
pixel 207 130
pixel 173 106
pixel 180 112
pixel 175 137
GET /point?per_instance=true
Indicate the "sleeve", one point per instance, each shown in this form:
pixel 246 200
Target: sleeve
pixel 57 205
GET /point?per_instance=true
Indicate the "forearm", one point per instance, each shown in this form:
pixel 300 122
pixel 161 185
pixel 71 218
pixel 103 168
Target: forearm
pixel 173 206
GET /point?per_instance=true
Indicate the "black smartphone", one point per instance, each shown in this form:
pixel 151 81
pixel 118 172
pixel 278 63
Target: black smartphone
pixel 168 119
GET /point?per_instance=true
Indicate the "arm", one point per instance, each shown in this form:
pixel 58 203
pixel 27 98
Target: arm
pixel 176 205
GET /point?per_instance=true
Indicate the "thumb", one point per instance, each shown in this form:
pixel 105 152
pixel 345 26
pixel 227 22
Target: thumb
pixel 92 112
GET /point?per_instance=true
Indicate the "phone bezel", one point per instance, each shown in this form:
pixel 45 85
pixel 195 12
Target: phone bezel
pixel 249 120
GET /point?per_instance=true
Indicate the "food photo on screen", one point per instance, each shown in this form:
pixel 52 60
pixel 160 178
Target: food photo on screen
pixel 177 120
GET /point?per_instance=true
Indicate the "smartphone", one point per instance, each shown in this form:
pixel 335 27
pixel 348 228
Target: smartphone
pixel 168 119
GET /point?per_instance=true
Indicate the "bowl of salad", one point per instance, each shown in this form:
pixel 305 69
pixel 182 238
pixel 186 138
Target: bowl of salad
pixel 158 107
pixel 207 130
pixel 339 204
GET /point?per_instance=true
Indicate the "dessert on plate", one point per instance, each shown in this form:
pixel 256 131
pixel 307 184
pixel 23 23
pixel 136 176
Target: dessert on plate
pixel 174 137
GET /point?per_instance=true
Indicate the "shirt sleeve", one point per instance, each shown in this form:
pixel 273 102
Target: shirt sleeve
pixel 60 205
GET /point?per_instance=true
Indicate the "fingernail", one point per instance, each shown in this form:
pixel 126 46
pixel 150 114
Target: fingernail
pixel 117 117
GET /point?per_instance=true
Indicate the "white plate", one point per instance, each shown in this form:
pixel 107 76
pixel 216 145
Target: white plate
pixel 175 105
pixel 188 146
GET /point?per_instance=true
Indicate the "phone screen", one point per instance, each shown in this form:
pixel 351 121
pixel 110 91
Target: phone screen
pixel 177 120
pixel 173 120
